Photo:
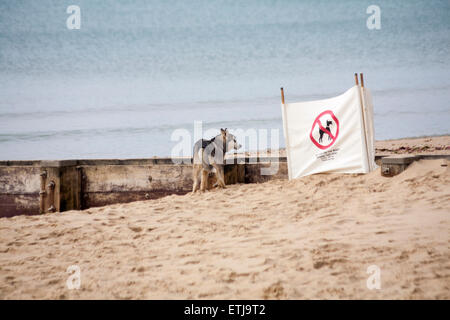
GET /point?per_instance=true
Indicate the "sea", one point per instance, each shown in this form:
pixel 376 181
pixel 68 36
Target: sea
pixel 137 73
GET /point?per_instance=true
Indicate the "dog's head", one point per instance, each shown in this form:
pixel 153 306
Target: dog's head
pixel 329 123
pixel 230 140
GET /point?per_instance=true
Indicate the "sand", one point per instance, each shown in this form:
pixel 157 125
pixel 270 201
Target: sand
pixel 420 146
pixel 312 238
pixel 425 145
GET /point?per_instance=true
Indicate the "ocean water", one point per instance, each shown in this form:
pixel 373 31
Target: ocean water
pixel 136 70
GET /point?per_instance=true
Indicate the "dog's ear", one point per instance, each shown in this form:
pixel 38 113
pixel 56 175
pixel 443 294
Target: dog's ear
pixel 222 131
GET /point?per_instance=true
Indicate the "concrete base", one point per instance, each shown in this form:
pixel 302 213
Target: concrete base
pixel 393 165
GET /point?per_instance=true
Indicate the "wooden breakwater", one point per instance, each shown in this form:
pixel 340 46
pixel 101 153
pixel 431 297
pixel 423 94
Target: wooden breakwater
pixel 37 187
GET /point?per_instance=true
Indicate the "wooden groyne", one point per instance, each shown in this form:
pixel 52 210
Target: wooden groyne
pixel 37 187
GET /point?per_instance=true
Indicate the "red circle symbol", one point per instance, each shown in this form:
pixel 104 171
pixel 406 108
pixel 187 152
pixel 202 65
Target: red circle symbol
pixel 324 130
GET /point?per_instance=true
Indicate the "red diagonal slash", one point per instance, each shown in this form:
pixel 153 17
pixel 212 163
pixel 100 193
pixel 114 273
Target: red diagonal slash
pixel 324 130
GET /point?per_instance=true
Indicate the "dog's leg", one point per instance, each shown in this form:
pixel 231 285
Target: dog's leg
pixel 195 177
pixel 220 176
pixel 204 180
pixel 207 181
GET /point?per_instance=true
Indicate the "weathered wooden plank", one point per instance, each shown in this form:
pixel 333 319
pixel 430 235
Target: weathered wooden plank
pixel 99 199
pixel 19 179
pixel 113 178
pixel 275 170
pixel 19 204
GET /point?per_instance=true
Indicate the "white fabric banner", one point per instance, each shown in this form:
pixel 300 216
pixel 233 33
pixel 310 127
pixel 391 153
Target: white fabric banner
pixel 331 135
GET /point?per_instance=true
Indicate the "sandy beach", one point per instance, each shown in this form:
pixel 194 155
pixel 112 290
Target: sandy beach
pixel 107 111
pixel 311 238
pixel 420 146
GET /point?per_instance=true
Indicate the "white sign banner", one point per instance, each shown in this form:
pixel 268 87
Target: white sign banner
pixel 331 135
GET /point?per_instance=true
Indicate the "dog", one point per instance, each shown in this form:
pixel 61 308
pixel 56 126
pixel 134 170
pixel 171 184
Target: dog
pixel 209 155
pixel 328 127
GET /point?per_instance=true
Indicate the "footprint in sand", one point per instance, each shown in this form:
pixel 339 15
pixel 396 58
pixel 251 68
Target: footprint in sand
pixel 274 291
pixel 135 229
